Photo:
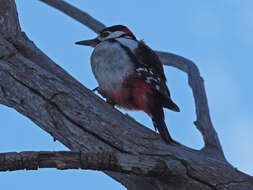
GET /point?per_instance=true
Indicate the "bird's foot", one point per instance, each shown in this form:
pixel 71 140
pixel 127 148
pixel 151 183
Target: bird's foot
pixel 110 101
pixel 95 89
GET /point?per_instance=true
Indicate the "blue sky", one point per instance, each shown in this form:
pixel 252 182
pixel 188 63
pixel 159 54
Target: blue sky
pixel 216 35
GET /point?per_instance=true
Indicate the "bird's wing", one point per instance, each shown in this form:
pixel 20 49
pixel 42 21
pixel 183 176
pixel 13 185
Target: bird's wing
pixel 150 68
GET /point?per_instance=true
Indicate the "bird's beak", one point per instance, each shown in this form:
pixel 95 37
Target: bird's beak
pixel 92 42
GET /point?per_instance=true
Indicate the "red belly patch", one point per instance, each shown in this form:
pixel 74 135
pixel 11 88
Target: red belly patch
pixel 141 95
pixel 133 94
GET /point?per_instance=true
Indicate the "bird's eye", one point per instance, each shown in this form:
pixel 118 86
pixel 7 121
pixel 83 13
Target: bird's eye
pixel 104 34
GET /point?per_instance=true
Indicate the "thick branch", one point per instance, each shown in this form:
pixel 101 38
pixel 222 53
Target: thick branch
pixel 35 86
pixel 203 122
pixel 114 162
pixel 9 23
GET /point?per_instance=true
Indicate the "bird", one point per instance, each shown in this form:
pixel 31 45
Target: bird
pixel 130 75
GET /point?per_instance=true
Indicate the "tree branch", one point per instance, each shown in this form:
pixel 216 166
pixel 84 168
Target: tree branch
pixel 77 14
pixel 36 87
pixel 196 82
pixel 9 19
pixel 109 161
pixel 63 160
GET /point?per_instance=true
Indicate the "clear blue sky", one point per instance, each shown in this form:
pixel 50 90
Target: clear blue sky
pixel 216 35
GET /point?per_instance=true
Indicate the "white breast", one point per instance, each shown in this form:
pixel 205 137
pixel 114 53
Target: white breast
pixel 110 65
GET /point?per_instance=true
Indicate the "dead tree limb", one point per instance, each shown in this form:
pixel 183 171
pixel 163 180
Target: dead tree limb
pixel 63 160
pixel 36 87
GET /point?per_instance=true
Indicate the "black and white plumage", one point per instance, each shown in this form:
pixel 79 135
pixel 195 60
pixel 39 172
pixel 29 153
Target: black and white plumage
pixel 130 75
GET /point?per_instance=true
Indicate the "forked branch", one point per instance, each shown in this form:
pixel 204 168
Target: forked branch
pixel 35 86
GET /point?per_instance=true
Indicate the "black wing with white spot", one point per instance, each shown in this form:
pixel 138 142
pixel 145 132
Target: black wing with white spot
pixel 150 68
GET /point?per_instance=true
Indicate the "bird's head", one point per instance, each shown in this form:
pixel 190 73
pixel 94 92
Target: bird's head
pixel 108 33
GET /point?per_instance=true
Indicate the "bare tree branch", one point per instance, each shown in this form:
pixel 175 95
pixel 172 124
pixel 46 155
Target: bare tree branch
pixel 77 14
pixel 63 160
pixel 9 19
pixel 196 82
pixel 36 87
pixel 117 162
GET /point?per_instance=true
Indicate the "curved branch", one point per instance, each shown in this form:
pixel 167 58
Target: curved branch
pixel 77 14
pixel 196 82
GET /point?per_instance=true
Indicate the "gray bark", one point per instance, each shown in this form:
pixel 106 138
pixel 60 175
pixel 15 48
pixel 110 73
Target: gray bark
pixel 135 156
pixel 110 161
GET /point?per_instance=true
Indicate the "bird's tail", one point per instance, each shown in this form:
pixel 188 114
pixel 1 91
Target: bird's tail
pixel 159 124
pixel 171 105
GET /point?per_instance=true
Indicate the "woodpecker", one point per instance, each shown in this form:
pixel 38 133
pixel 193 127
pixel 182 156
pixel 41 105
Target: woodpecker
pixel 130 75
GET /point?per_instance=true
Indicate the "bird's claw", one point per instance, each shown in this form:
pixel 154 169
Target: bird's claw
pixel 108 100
pixel 111 102
pixel 95 89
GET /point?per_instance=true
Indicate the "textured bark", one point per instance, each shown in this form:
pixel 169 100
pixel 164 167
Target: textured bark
pixel 117 162
pixel 135 156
